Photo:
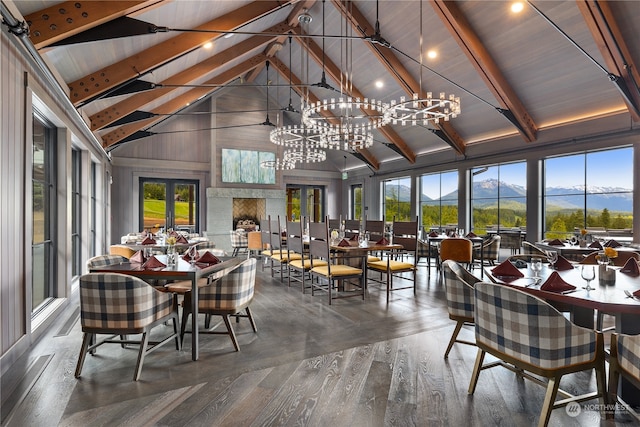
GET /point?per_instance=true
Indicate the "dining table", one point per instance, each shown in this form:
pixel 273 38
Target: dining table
pixel 182 270
pixel 609 297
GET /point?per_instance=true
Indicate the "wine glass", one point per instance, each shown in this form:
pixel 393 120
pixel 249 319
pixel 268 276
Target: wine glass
pixel 588 273
pixel 193 254
pixel 536 267
pixel 552 256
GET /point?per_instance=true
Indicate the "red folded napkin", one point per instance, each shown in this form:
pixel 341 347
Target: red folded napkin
pixel 631 267
pixel 353 238
pixel 433 234
pixel 344 243
pixel 153 262
pixel 595 245
pixel 173 233
pixel 471 235
pixel 138 257
pixel 208 258
pixel 562 264
pixel 555 242
pixel 148 241
pixel 555 284
pixel 506 269
pixel 382 241
pixel 612 244
pixel 637 293
pixel 182 239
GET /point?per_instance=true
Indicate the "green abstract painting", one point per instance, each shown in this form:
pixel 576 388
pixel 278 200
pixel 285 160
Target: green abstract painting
pixel 243 166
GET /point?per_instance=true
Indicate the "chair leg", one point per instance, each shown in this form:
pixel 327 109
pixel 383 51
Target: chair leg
pixel 175 332
pixel 253 323
pixel 456 331
pixel 141 353
pixel 549 399
pixel 601 384
pixel 477 367
pixel 86 340
pixel 183 323
pixel 232 333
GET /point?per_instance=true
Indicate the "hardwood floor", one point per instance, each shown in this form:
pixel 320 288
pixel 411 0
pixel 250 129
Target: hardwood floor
pixel 353 363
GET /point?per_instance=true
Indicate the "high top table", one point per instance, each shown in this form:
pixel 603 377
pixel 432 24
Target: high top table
pixel 181 271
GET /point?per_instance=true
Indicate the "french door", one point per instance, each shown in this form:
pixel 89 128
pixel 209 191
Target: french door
pixel 169 203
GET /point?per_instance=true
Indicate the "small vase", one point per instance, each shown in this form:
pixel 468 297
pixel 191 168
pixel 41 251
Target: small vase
pixel 171 255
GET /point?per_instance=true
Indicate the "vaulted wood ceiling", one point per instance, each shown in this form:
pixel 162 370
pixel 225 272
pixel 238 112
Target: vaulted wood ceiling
pixel 533 75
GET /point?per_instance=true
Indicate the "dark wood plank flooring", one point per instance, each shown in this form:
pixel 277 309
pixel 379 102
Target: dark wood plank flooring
pixel 354 363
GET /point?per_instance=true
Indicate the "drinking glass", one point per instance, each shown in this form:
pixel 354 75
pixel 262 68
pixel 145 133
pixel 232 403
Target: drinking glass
pixel 588 273
pixel 552 256
pixel 193 254
pixel 536 267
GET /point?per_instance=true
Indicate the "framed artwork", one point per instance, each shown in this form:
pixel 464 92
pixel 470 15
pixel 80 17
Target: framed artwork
pixel 243 166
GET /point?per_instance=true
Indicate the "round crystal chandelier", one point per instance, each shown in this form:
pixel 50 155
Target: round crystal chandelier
pixel 304 155
pixel 296 136
pixel 417 110
pixel 278 164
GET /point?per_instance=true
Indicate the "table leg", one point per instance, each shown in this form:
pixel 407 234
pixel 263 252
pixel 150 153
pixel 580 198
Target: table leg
pixel 194 319
pixel 628 324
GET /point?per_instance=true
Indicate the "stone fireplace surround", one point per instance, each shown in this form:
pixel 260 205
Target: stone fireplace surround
pixel 220 211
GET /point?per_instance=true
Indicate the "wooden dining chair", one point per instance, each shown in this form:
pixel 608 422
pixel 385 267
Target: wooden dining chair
pixel 394 265
pixel 528 335
pixel 280 256
pixel 123 250
pixel 299 268
pixel 331 271
pixel 118 304
pixel 457 249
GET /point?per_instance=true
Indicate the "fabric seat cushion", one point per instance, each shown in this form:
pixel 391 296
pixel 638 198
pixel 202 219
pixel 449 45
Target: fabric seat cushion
pixel 285 257
pixel 306 264
pixel 393 265
pixel 337 270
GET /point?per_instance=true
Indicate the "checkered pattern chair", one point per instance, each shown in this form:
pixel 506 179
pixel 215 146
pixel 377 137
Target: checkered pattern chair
pixel 239 241
pixel 118 304
pixel 490 251
pixel 225 296
pixel 528 334
pixel 624 360
pixel 105 260
pixel 405 233
pixel 459 283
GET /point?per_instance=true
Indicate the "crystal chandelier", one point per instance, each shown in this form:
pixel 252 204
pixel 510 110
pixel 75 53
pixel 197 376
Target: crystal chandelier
pixel 422 110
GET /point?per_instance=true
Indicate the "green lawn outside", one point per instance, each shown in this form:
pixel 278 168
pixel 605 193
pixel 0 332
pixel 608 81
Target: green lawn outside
pixel 154 212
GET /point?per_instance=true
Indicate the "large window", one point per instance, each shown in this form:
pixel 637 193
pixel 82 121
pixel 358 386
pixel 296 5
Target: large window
pixel 439 199
pixel 76 212
pixel 43 194
pixel 356 201
pixel 499 197
pixel 396 201
pixel 168 203
pixel 588 190
pixel 305 201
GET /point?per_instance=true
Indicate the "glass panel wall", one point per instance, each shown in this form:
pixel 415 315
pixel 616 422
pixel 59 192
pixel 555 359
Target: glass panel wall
pixel 356 202
pixel 439 200
pixel 76 212
pixel 313 205
pixel 396 200
pixel 499 197
pixel 596 195
pixel 168 203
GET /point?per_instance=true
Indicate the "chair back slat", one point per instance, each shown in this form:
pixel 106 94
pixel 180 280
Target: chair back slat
pixel 294 237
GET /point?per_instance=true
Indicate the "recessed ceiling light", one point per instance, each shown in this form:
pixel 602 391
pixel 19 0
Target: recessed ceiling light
pixel 207 45
pixel 228 35
pixel 379 84
pixel 432 54
pixel 517 7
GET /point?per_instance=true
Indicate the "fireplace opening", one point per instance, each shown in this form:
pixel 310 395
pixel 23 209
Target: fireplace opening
pixel 248 212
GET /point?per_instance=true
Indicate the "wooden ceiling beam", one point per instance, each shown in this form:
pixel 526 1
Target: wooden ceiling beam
pixel 336 74
pixel 179 102
pixel 94 84
pixel 55 23
pixel 395 67
pixel 617 56
pixel 468 40
pixel 115 112
pixel 297 85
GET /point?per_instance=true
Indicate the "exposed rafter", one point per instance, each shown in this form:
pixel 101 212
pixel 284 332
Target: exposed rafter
pixel 462 32
pixel 614 50
pixel 101 81
pixel 334 72
pixel 109 115
pixel 394 66
pixel 297 85
pixel 55 23
pixel 181 101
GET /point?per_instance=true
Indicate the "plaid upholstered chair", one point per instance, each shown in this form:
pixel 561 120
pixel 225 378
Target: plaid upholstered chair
pixel 624 360
pixel 394 265
pixel 105 260
pixel 225 296
pixel 458 283
pixel 490 251
pixel 239 241
pixel 529 335
pixel 118 304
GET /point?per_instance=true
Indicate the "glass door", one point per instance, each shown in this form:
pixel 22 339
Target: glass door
pixel 168 203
